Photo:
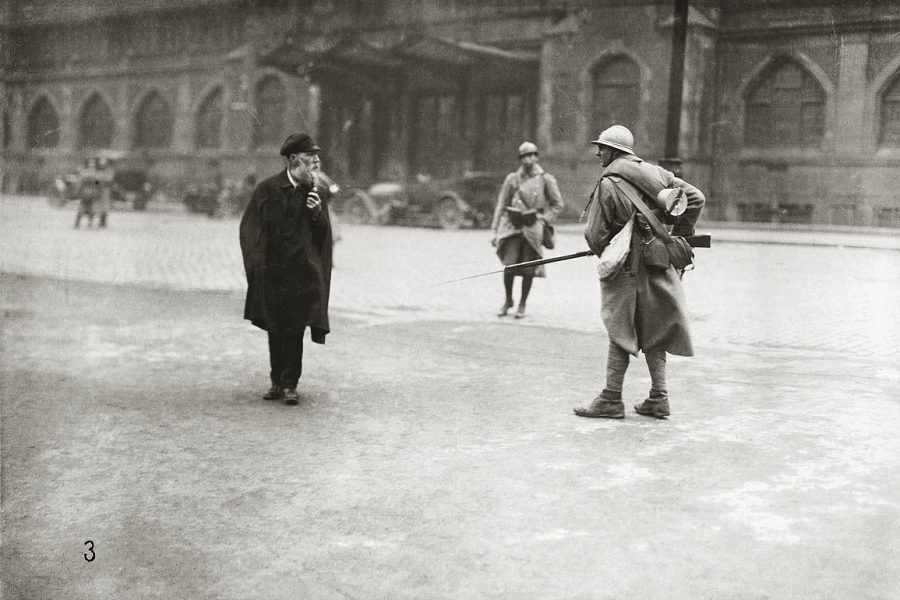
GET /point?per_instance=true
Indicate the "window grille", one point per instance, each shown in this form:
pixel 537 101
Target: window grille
pixel 43 125
pixel 154 123
pixel 209 121
pixel 270 107
pixel 617 93
pixel 890 114
pixel 96 124
pixel 785 108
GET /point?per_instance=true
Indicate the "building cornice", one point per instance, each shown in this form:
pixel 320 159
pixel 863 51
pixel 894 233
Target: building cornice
pixel 794 29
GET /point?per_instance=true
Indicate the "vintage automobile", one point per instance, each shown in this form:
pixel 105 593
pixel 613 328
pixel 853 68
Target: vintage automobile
pixel 132 186
pixel 202 198
pixel 466 201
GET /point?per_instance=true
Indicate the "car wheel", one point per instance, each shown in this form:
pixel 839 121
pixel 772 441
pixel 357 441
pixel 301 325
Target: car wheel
pixel 449 214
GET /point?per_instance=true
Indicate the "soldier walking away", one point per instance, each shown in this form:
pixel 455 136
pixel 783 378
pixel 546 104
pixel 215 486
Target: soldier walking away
pixel 643 307
pixel 529 201
pixel 89 191
pixel 285 236
pixel 103 203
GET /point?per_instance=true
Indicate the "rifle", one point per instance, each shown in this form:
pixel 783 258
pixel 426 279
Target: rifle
pixel 695 241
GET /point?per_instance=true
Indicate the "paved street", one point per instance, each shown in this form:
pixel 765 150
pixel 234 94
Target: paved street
pixel 434 454
pixel 780 296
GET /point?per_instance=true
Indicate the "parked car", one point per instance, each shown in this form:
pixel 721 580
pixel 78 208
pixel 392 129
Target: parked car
pixel 466 201
pixel 132 186
pixel 202 198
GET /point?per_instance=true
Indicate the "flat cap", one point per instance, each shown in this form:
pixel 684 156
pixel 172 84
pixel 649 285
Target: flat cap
pixel 298 142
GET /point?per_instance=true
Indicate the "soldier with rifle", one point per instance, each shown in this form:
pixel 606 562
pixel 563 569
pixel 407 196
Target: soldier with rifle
pixel 643 304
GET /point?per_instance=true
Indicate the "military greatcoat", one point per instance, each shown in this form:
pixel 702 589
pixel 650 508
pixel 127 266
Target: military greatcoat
pixel 287 259
pixel 523 190
pixel 642 309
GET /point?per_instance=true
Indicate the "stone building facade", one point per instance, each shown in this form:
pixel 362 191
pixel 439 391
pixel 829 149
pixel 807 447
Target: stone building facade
pixel 791 108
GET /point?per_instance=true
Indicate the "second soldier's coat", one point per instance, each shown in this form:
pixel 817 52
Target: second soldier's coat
pixel 538 191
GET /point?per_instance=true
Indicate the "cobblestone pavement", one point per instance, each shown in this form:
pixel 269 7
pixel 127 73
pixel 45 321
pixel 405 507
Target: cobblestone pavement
pixel 772 294
pixel 442 464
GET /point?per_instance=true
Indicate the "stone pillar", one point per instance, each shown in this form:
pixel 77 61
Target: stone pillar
pixel 545 95
pixel 18 120
pixel 239 120
pixel 225 126
pixel 313 110
pixel 122 134
pixel 68 117
pixel 851 136
pixel 182 135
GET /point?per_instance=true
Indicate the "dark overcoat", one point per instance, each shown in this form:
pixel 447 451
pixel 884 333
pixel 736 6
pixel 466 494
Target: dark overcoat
pixel 287 259
pixel 642 309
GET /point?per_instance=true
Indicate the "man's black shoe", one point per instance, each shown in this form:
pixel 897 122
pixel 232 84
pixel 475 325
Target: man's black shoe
pixel 274 393
pixel 291 397
pixel 653 408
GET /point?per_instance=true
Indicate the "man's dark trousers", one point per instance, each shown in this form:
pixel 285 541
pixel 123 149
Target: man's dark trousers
pixel 286 359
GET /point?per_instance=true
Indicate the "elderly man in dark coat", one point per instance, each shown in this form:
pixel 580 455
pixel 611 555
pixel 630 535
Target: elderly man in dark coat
pixel 286 241
pixel 642 308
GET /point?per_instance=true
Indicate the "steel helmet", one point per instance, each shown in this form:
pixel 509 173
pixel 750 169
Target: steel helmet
pixel 617 137
pixel 527 148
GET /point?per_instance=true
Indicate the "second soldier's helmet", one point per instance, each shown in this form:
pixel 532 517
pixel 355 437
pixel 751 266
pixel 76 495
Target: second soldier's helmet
pixel 617 137
pixel 527 148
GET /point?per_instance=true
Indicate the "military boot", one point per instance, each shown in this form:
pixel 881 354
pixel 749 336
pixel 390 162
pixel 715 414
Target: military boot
pixel 603 407
pixel 653 407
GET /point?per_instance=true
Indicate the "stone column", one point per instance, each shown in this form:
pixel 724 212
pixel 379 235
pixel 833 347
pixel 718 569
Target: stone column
pixel 18 120
pixel 120 108
pixel 851 136
pixel 183 128
pixel 68 116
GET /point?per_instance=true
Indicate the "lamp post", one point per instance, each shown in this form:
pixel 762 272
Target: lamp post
pixel 671 159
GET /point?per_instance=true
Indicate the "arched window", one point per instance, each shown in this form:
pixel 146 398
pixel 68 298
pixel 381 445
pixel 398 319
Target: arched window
pixel 153 127
pixel 890 114
pixel 96 124
pixel 209 121
pixel 616 93
pixel 43 125
pixel 270 105
pixel 786 107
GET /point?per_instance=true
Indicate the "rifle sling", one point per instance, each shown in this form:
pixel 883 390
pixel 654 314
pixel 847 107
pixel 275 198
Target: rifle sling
pixel 657 227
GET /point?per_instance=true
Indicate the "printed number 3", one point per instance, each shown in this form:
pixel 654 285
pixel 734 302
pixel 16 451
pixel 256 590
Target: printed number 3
pixel 91 550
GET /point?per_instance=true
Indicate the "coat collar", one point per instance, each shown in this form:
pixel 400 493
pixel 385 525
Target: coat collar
pixel 536 170
pixel 626 157
pixel 283 181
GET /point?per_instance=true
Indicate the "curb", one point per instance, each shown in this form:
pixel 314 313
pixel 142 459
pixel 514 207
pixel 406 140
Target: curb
pixel 737 233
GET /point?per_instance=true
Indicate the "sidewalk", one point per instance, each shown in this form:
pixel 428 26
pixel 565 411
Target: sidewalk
pixel 810 235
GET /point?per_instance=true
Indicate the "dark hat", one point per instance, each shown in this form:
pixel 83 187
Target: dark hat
pixel 298 142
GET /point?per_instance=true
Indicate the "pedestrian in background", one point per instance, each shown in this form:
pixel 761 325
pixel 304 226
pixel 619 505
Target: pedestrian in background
pixel 286 242
pixel 103 203
pixel 529 200
pixel 88 192
pixel 643 308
